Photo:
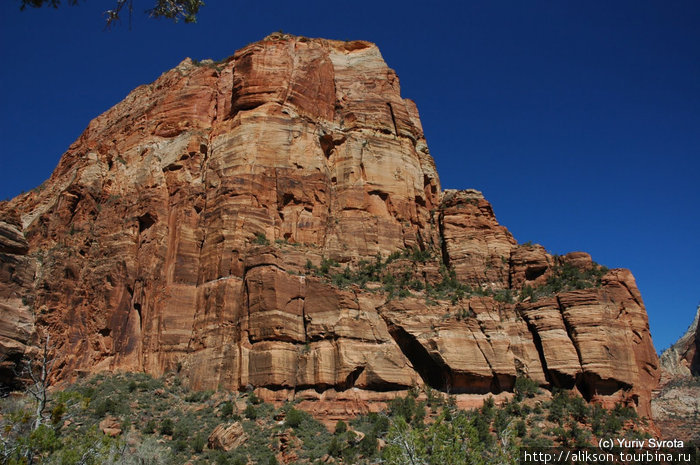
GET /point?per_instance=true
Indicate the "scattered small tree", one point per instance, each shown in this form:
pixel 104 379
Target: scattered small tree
pixel 38 370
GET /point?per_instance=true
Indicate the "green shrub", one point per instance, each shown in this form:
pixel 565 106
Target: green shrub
pixel 166 427
pixel 340 427
pixel 227 409
pixel 612 425
pixel 199 396
pixel 579 409
pixel 404 407
pixel 198 443
pixel 179 445
pixel 334 448
pixel 260 239
pixel 525 388
pixel 150 426
pixel 294 417
pixel 250 412
pixel 109 405
pixel 368 446
pixel 57 413
pixel 183 429
pixel 566 277
pixel 504 295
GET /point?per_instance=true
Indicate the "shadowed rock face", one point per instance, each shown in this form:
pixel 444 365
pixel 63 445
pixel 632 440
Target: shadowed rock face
pixel 180 230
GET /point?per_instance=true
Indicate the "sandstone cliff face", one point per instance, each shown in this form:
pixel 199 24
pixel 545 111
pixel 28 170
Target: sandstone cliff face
pixel 17 271
pixel 683 357
pixel 192 228
pixel 676 404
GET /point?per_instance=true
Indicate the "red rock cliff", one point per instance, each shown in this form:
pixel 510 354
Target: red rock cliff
pixel 182 229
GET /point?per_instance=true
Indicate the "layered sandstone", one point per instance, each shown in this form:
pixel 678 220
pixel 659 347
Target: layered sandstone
pixel 182 231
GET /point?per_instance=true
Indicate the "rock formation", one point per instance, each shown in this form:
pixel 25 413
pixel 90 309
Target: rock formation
pixel 275 221
pixel 683 357
pixel 676 404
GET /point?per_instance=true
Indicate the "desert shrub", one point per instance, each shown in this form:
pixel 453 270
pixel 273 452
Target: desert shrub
pixel 199 396
pixel 579 409
pixel 179 445
pixel 260 239
pixel 184 427
pixel 166 427
pixel 536 440
pixel 254 399
pixel 580 436
pixel 488 407
pixel 250 412
pixel 227 409
pixel 294 417
pixel 612 425
pixel 150 426
pixel 334 447
pixel 624 413
pixel 198 443
pixel 341 427
pixel 109 405
pixel 527 291
pixel 525 388
pixel 57 413
pixel 503 295
pixel 368 445
pixel 566 277
pixel 404 407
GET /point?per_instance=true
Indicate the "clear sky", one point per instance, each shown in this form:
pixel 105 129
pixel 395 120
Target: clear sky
pixel 580 121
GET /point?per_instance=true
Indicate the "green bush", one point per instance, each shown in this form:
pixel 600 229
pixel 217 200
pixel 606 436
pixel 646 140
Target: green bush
pixel 566 277
pixel 109 405
pixel 227 409
pixel 525 388
pixel 260 239
pixel 341 427
pixel 150 426
pixel 179 445
pixel 334 448
pixel 294 417
pixel 404 407
pixel 198 443
pixel 166 427
pixel 250 412
pixel 199 396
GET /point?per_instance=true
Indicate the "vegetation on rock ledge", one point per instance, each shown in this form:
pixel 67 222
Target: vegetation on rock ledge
pixel 566 277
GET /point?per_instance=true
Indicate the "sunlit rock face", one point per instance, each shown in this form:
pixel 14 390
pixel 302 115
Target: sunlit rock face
pixel 188 227
pixel 676 401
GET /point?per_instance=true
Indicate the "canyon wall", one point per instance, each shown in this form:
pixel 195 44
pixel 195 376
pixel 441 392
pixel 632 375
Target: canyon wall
pixel 275 221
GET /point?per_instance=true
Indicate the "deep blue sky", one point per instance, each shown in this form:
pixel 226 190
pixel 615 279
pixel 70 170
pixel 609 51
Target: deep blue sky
pixel 580 121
